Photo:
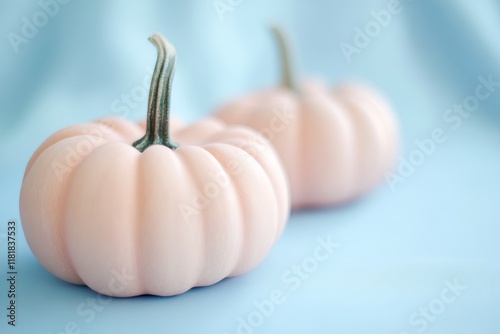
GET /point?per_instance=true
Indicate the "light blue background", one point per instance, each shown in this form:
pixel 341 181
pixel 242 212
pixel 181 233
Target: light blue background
pixel 397 248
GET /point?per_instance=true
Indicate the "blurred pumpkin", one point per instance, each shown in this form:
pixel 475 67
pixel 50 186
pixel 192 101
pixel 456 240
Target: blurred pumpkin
pixel 336 144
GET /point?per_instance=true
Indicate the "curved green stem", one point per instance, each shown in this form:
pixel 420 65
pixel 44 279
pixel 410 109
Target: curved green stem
pixel 157 127
pixel 288 80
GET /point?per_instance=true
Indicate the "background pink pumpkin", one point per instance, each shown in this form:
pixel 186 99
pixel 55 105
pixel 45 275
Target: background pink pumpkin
pixel 129 218
pixel 335 144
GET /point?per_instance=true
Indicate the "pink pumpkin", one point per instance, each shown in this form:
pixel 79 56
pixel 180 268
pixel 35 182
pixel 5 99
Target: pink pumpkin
pixel 335 144
pixel 129 218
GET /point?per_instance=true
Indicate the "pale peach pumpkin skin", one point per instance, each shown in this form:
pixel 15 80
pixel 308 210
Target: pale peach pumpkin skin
pixel 127 223
pixel 336 144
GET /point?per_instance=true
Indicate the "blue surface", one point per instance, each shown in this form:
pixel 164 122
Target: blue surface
pixel 398 250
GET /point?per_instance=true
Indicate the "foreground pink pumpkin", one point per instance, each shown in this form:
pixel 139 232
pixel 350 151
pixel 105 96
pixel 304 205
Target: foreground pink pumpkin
pixel 335 144
pixel 130 219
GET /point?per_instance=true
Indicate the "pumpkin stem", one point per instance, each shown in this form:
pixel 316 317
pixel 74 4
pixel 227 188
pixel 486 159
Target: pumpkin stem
pixel 288 80
pixel 157 127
